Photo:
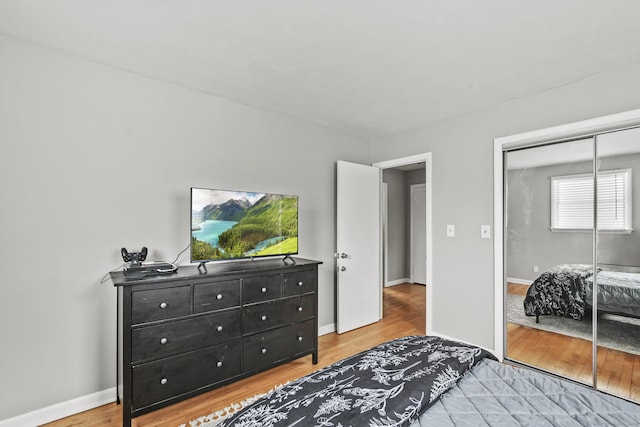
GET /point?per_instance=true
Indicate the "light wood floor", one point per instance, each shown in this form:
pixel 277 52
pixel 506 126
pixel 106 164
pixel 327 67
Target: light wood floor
pixel 404 307
pixel 618 372
pixel 404 314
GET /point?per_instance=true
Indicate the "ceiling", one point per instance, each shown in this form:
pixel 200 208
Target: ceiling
pixel 371 68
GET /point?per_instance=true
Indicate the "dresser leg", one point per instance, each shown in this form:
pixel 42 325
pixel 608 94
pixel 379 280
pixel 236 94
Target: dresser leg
pixel 314 358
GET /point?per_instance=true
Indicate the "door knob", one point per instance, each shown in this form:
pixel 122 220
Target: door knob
pixel 343 268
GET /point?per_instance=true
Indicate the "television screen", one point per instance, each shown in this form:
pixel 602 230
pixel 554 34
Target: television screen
pixel 229 225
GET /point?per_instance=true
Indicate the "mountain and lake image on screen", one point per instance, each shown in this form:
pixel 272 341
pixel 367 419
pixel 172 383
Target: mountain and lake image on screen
pixel 236 224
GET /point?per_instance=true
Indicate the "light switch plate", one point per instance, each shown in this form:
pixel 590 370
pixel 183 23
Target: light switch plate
pixel 451 230
pixel 485 231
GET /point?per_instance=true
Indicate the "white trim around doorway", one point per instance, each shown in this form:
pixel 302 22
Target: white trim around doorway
pixel 427 159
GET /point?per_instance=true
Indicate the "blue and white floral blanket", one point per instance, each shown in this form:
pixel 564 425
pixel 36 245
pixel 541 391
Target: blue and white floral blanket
pixel 560 291
pixel 389 385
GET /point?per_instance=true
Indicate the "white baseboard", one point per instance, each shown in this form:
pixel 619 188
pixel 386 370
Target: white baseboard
pixel 519 281
pixel 62 409
pixel 397 282
pixel 323 330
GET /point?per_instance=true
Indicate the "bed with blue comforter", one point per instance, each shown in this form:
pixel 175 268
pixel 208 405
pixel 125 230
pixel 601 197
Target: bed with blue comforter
pixel 421 381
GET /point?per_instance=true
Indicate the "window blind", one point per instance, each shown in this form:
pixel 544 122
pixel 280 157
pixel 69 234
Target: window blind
pixel 572 201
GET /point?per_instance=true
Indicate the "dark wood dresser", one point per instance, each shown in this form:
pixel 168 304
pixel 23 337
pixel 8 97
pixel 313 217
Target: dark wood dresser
pixel 186 333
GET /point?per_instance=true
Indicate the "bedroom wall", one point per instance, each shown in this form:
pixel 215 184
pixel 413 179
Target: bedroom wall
pixel 94 159
pixel 396 224
pixel 413 177
pixel 531 242
pixel 462 153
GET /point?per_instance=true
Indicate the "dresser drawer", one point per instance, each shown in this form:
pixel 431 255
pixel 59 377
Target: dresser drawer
pixel 267 315
pixel 299 308
pixel 159 304
pixel 300 282
pixel 263 350
pixel 260 351
pixel 214 296
pixel 167 339
pixel 302 335
pixel 263 288
pixel 157 381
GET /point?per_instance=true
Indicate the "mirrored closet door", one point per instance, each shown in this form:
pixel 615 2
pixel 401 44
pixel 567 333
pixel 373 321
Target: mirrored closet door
pixel 547 322
pixel 569 230
pixel 617 309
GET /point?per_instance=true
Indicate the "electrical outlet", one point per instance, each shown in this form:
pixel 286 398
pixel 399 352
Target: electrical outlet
pixel 535 269
pixel 451 230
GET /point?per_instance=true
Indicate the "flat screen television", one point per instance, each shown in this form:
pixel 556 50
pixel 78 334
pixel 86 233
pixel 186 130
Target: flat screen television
pixel 228 225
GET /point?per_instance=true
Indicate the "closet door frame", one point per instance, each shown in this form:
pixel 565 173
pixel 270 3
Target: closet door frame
pixel 583 128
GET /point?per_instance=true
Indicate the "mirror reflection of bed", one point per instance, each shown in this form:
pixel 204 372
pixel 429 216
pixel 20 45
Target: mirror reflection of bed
pixel 563 344
pixel 567 290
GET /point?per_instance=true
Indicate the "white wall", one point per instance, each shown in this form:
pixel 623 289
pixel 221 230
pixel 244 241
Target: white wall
pixel 94 159
pixel 463 187
pixel 396 224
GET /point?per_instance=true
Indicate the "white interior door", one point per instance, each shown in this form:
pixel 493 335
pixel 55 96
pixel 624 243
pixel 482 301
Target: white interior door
pixel 358 246
pixel 419 234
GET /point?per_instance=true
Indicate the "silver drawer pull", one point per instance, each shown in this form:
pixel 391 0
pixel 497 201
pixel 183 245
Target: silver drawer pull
pixel 219 364
pixel 263 290
pixel 163 305
pixel 219 296
pixel 263 351
pixel 300 309
pixel 264 317
pixel 300 283
pixel 299 338
pixel 219 329
pixel 164 341
pixel 163 381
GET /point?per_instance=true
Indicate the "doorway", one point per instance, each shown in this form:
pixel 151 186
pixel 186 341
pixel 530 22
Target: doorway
pixel 402 263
